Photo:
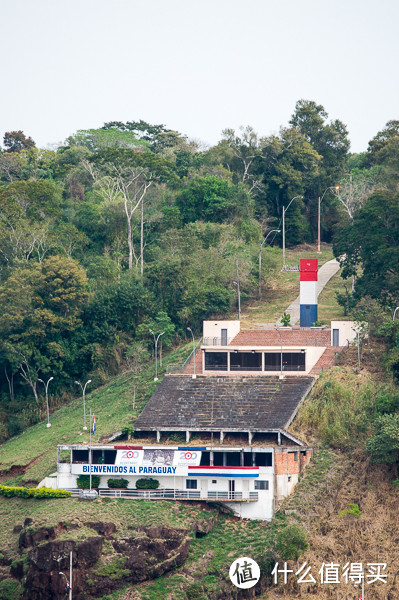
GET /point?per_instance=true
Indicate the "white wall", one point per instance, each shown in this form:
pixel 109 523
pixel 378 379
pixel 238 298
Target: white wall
pixel 346 332
pixel 213 329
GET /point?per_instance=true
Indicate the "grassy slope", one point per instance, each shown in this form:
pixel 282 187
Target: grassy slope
pixel 35 449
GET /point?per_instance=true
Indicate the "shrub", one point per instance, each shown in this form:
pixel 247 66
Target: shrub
pixel 352 510
pixel 286 319
pixel 83 482
pixel 23 492
pixel 147 484
pixel 10 589
pixel 117 483
pixel 291 542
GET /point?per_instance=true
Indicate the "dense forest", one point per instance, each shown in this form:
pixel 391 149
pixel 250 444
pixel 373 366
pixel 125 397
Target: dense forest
pixel 133 226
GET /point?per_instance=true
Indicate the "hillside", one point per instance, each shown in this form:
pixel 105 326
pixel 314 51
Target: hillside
pixel 338 476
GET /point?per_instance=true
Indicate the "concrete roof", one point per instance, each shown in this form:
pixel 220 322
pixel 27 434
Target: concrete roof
pixel 224 403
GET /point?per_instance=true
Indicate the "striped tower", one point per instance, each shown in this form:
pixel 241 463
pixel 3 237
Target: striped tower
pixel 308 291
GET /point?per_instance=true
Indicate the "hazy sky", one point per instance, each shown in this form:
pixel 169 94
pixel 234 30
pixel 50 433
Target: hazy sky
pixel 197 66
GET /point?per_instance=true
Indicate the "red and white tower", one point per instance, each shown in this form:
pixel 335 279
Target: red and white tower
pixel 308 291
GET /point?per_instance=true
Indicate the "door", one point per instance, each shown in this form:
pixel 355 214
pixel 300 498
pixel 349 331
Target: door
pixel 335 337
pixel 223 335
pixel 232 487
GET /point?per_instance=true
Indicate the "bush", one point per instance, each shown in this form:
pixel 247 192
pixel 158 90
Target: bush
pixel 83 482
pixel 23 492
pixel 291 542
pixel 117 483
pixel 10 589
pixel 147 484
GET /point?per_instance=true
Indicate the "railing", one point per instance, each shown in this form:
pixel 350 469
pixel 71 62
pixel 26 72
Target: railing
pixel 290 268
pixel 171 494
pixel 173 369
pixel 216 341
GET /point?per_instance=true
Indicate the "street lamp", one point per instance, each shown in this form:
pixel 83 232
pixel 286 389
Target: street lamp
pixel 281 355
pixel 336 187
pixel 260 260
pixel 284 211
pixel 84 401
pixel 68 583
pixel 237 283
pixel 358 349
pixel 156 351
pixel 394 313
pixel 48 411
pixel 191 331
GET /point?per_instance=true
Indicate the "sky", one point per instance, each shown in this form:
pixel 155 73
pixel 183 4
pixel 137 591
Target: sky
pixel 196 66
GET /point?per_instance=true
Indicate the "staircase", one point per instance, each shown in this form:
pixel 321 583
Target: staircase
pixel 223 402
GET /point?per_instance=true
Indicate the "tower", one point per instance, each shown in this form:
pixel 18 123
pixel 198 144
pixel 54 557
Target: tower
pixel 308 291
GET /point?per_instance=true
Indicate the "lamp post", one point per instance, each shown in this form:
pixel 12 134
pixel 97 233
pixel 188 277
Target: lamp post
pixel 260 260
pixel 284 211
pixel 191 331
pixel 394 313
pixel 156 351
pixel 336 187
pixel 46 388
pixel 68 583
pixel 84 401
pixel 281 354
pixel 237 283
pixel 358 349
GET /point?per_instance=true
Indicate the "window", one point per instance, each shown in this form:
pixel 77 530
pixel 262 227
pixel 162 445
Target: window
pixel 191 484
pixel 215 361
pixel 205 459
pixel 292 361
pixel 261 485
pixel 263 459
pixel 214 480
pixel 246 361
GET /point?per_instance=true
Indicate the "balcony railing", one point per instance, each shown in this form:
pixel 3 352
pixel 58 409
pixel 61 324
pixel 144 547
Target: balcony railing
pixel 171 494
pixel 216 341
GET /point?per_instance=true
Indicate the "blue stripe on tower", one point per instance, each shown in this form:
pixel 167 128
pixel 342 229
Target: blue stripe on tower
pixel 308 315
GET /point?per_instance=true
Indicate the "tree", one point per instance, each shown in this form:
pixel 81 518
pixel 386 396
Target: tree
pixel 353 191
pixel 372 241
pixel 15 141
pixel 379 141
pixel 213 199
pixel 40 309
pixel 130 174
pixel 291 166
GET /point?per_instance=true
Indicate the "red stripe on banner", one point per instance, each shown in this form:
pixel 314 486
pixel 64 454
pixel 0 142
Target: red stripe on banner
pixel 128 447
pixel 308 276
pixel 219 468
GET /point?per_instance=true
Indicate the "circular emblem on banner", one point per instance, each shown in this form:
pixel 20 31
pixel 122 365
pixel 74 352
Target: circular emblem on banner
pixel 244 572
pixel 188 456
pixel 130 454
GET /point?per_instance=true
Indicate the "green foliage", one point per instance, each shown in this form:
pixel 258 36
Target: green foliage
pixel 147 484
pixel 22 492
pixel 291 542
pixel 213 199
pixel 117 483
pixel 83 482
pixel 384 445
pixel 375 248
pixel 113 569
pixel 352 510
pixel 286 320
pixel 10 589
